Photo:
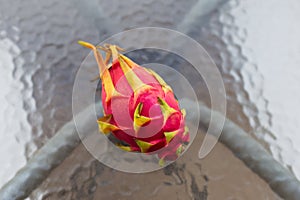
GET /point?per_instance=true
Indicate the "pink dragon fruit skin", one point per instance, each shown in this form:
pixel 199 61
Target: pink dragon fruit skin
pixel 139 107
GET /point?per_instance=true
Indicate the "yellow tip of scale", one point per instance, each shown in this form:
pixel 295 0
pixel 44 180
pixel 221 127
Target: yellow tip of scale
pixel 86 44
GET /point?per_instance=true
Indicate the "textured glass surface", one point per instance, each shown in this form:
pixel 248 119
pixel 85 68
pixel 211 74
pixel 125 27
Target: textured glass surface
pixel 255 44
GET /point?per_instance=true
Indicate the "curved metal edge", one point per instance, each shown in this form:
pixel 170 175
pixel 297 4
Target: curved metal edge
pixel 241 144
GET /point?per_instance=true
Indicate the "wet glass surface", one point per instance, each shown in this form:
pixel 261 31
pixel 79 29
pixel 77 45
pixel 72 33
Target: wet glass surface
pixel 255 44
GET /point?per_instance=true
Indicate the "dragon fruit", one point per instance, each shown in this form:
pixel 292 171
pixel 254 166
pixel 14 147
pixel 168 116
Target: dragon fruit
pixel 140 109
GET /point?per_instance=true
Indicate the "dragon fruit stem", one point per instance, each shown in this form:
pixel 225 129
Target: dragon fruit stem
pixel 101 64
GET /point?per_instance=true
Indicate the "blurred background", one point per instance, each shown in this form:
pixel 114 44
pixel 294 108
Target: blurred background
pixel 255 44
